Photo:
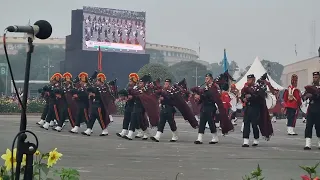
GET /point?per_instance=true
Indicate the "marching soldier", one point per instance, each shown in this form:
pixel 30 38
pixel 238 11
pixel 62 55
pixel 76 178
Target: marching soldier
pixel 251 113
pixel 98 110
pixel 45 96
pixel 166 113
pixel 81 97
pixel 138 112
pixel 133 79
pixel 207 112
pixel 313 94
pixel 292 102
pixel 53 101
pixel 64 109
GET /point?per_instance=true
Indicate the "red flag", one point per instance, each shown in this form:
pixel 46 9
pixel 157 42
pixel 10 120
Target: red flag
pixel 100 60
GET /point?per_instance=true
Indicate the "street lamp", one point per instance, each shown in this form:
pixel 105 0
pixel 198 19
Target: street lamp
pixel 48 66
pixel 196 76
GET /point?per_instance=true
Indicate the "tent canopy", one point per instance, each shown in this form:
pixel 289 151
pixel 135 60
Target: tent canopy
pixel 258 70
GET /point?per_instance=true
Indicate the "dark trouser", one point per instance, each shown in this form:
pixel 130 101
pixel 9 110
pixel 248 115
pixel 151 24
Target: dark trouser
pixel 82 115
pixel 95 114
pixel 45 111
pixel 233 115
pixel 291 116
pixel 51 112
pixel 251 116
pixel 206 116
pixel 167 117
pixel 135 120
pixel 313 119
pixel 64 114
pixel 126 119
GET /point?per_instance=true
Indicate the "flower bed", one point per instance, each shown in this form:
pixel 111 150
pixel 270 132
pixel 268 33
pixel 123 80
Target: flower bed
pixel 43 166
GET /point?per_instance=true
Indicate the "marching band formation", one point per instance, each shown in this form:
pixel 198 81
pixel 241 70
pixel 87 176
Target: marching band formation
pixel 214 104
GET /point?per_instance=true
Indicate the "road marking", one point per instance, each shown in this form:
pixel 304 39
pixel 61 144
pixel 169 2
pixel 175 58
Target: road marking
pixel 121 148
pixel 84 171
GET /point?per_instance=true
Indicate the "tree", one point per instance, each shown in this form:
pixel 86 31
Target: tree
pixel 156 71
pixel 217 68
pixel 194 72
pixel 274 70
pixel 156 56
pixel 39 62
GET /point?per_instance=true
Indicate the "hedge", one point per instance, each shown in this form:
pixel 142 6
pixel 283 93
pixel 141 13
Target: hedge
pixel 36 106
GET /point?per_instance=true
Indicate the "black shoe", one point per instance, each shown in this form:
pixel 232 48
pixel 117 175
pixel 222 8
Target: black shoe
pixel 56 130
pixel 211 142
pixel 119 135
pixel 254 145
pixel 245 145
pixel 198 142
pixel 154 139
pixel 103 134
pixel 138 137
pixel 83 133
pixel 44 128
pixel 171 140
pixel 126 137
pixel 307 148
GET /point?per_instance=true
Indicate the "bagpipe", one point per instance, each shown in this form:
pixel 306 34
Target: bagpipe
pixel 259 89
pixel 313 90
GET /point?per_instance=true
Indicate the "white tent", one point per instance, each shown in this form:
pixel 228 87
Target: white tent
pixel 258 70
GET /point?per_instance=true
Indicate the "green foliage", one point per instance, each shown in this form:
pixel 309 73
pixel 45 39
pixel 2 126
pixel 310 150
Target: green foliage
pixel 311 170
pixel 254 175
pixel 67 174
pixel 189 70
pixel 217 68
pixel 274 69
pixel 156 71
pixel 156 57
pixel 39 63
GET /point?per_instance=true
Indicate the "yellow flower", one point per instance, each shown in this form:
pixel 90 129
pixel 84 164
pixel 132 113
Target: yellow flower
pixel 54 156
pixel 7 157
pixel 37 153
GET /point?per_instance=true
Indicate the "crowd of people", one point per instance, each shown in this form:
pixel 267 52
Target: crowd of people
pixel 106 28
pixel 149 104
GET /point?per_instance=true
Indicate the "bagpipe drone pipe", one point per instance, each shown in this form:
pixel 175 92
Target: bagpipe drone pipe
pixel 259 89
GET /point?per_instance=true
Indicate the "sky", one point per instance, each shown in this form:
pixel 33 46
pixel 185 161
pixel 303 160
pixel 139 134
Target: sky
pixel 246 28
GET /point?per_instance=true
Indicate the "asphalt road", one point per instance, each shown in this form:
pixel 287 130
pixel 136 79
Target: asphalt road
pixel 113 158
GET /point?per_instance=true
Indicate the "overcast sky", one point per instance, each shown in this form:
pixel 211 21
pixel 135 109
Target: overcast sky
pixel 246 28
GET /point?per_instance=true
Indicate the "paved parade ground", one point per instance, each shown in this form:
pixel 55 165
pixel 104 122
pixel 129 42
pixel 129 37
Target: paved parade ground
pixel 112 158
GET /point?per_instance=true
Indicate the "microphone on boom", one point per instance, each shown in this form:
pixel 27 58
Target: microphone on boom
pixel 41 29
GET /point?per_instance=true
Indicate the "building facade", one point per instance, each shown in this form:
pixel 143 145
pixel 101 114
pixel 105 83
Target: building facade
pixel 171 54
pixel 303 69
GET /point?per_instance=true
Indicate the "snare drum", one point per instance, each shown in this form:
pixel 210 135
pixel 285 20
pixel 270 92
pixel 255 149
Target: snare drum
pixel 271 100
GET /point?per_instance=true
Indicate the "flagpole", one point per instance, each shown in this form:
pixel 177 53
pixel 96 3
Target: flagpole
pixel 99 60
pixel 199 51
